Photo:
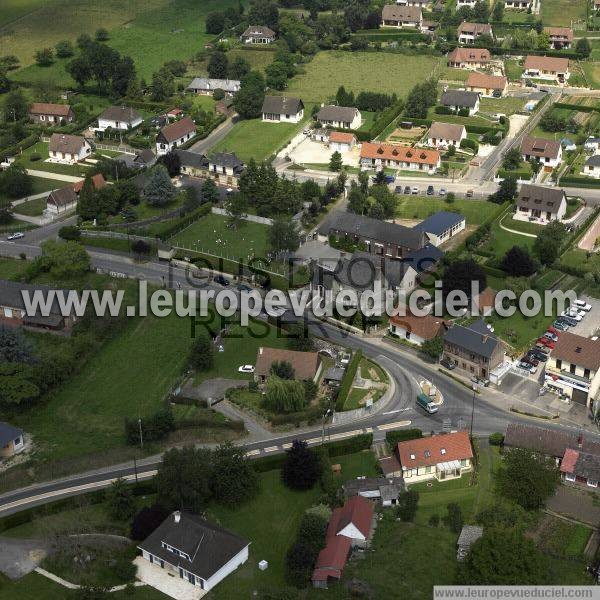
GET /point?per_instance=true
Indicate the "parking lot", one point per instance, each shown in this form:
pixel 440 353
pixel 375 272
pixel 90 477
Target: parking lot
pixel 590 325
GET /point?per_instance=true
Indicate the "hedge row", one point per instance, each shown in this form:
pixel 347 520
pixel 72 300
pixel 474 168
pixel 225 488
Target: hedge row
pixel 576 107
pixel 479 129
pixel 347 381
pixel 177 224
pixel 310 415
pixel 29 141
pixel 403 435
pixel 577 181
pixel 521 52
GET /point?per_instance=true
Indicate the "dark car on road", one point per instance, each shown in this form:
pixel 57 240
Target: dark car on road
pixel 243 287
pixel 430 190
pixel 221 280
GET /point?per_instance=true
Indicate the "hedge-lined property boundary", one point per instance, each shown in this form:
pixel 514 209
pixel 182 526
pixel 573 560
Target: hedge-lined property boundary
pixel 347 381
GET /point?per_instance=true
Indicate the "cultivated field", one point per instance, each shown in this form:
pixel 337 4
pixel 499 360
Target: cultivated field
pixel 562 12
pixel 361 71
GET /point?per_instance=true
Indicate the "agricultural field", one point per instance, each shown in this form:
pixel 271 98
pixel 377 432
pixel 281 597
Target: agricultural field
pixel 361 71
pixel 421 207
pixel 562 12
pixel 508 106
pixel 258 59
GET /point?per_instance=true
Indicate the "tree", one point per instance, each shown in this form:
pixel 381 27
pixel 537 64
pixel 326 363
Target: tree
pixel 64 49
pixel 406 508
pixel 183 479
pixel 233 479
pixel 69 233
pixel 101 35
pixel 4 82
pixel 335 162
pixel 283 234
pixel 15 182
pixel 518 263
pixel 63 260
pixel 249 99
pixel 215 22
pixel 236 208
pixel 299 561
pixel 163 86
pixel 284 396
pixel 80 70
pixel 83 41
pixel 14 346
pixel 583 47
pixel 44 57
pixel 498 12
pixel 159 190
pixel 454 518
pixel 218 65
pixel 15 106
pixel 16 386
pixel 238 68
pixel 422 97
pixel 507 190
pixel 123 76
pixel 527 478
pixel 301 468
pixel 433 347
pixel 512 159
pixel 460 275
pixel 147 520
pixel 120 502
pixel 172 162
pixel 141 248
pixel 504 557
pixel 549 241
pixel 201 353
pixel 283 369
pixel 277 75
pixel 210 192
pixel 299 337
pixel 264 12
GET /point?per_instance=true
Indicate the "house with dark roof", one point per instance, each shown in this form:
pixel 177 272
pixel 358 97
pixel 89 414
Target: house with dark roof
pixel 192 163
pixel 474 349
pixel 62 200
pixel 573 369
pixel 207 86
pixel 189 548
pixel 458 100
pixel 548 152
pixel 68 149
pixel 306 365
pixel 443 135
pixel 591 167
pixel 174 135
pixel 13 309
pixel 11 440
pixel 425 259
pixel 442 226
pixel 343 117
pixel 469 58
pixel 123 118
pixel 379 489
pixel 144 158
pixel 580 468
pixel 258 34
pixel 442 457
pixel 282 109
pixel 417 330
pixel 374 236
pixel 45 113
pixel 396 15
pixel 540 204
pixel 468 33
pixel 225 168
pixel 547 67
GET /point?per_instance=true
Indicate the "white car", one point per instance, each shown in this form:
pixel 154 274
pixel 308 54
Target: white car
pixel 15 236
pixel 415 190
pixel 572 314
pixel 582 305
pixel 246 369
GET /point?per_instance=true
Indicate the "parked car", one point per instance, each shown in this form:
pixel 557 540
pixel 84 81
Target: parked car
pixel 531 359
pixel 243 287
pixel 568 320
pixel 246 369
pixel 442 191
pixel 582 305
pixel 538 355
pixel 15 236
pixel 544 341
pixel 542 348
pixel 551 329
pixel 497 94
pixel 551 336
pixel 469 194
pixel 407 189
pixel 527 366
pixel 447 364
pixel 560 325
pixel 221 280
pixel 415 190
pixel 430 190
pixel 571 314
pixel 398 189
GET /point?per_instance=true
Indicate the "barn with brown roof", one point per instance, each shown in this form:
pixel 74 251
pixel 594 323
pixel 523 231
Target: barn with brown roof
pixel 306 365
pixel 45 113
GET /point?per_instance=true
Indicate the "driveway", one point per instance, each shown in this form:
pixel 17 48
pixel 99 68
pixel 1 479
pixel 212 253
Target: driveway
pixel 308 151
pixel 590 324
pixel 19 557
pixel 579 504
pixel 215 136
pixel 521 388
pixel 212 390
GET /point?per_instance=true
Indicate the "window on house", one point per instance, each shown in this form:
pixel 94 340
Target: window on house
pixel 586 373
pixel 443 451
pixel 572 369
pixel 592 483
pixel 570 477
pixel 558 363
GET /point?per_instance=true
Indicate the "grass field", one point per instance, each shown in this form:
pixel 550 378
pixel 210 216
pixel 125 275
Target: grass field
pixel 258 59
pixel 562 12
pixel 421 207
pixel 508 105
pixel 11 267
pixel 359 71
pixel 39 185
pixel 32 208
pixel 212 234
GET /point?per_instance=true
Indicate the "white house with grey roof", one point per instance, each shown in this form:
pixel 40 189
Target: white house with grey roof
pixel 68 149
pixel 460 100
pixel 442 226
pixel 122 118
pixel 207 86
pixel 282 109
pixel 11 440
pixel 591 168
pixel 343 117
pixel 258 34
pixel 189 548
pixel 540 204
pixel 442 135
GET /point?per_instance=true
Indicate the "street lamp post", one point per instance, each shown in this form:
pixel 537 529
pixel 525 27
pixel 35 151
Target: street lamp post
pixel 325 415
pixel 475 388
pixel 141 433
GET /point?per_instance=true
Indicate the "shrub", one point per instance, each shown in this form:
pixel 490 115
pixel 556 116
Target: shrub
pixel 35 156
pixel 407 505
pixel 496 439
pixel 394 437
pixel 434 520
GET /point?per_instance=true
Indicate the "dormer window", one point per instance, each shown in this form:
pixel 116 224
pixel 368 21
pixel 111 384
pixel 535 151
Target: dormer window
pixel 427 454
pixel 412 457
pixel 443 451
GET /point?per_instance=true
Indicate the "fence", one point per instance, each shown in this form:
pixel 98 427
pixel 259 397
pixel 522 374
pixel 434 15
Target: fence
pixel 252 218
pixel 124 148
pixel 117 236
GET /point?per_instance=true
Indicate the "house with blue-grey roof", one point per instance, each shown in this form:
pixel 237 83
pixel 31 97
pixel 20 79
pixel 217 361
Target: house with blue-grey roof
pixel 473 349
pixel 442 226
pixel 11 440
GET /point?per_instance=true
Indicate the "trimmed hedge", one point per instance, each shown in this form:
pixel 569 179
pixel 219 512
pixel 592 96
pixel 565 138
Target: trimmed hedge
pixel 174 227
pixel 25 143
pixel 576 107
pixel 347 381
pixel 583 182
pixel 394 437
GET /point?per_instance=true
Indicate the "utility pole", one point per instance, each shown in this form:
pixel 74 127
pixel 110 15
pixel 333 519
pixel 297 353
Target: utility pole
pixel 475 388
pixel 141 433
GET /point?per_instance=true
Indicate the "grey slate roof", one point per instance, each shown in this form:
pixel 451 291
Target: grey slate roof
pixel 207 84
pixel 334 374
pixel 229 160
pixel 540 197
pixel 209 546
pixel 593 161
pixel 373 229
pixel 10 294
pixel 282 105
pixel 588 466
pixel 337 113
pixel 125 114
pixel 475 338
pixel 440 222
pixel 192 159
pixel 469 535
pixel 258 31
pixel 424 259
pixel 353 487
pixel 8 433
pixel 460 98
pixel 145 157
pixel 63 197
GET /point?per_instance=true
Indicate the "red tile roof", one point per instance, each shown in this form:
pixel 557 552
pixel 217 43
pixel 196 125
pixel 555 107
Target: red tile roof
pixel 435 449
pixel 333 556
pixel 340 136
pixel 426 327
pixel 399 153
pixel 483 80
pixel 469 55
pixel 44 108
pixel 357 511
pixel 569 461
pixel 560 32
pixel 98 182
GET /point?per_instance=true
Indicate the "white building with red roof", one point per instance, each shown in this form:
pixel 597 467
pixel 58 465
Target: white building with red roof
pixel 379 156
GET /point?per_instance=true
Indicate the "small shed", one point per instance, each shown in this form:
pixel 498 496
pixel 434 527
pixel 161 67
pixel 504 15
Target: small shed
pixel 468 536
pixel 333 376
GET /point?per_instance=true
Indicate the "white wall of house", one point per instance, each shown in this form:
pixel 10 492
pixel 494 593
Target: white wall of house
pixel 354 124
pixel 404 334
pixel 104 124
pixel 228 568
pixel 591 171
pixel 352 532
pixel 283 118
pixel 58 210
pixel 444 236
pixel 547 161
pixel 70 159
pixel 518 4
pixel 546 75
pixel 341 146
pixel 164 148
pixel 400 24
pixel 416 475
pixel 444 143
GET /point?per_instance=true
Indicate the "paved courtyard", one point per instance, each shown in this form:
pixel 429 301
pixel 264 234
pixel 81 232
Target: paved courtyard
pixel 170 585
pixel 311 152
pixel 19 557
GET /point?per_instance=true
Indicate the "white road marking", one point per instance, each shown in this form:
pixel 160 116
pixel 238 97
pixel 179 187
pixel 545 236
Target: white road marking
pixel 252 452
pixel 398 410
pixel 393 425
pixel 271 449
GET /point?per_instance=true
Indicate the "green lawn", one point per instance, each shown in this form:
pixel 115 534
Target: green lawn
pixel 513 69
pixel 41 148
pixel 11 267
pixel 258 59
pixel 508 105
pixel 258 140
pixel 518 330
pixel 39 185
pixel 354 398
pixel 473 120
pixel 359 71
pixel 523 226
pixel 562 12
pixel 421 207
pixel 211 234
pixel 17 9
pixel 32 208
pixel 500 240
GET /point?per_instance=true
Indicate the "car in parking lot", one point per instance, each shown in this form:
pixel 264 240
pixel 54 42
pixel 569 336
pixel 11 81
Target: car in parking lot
pixel 582 305
pixel 442 191
pixel 527 366
pixel 544 341
pixel 430 190
pixel 246 369
pixel 415 190
pixel 538 354
pixel 469 194
pixel 553 330
pixel 571 314
pixel 560 325
pixel 568 321
pixel 530 359
pixel 15 236
pixel 388 179
pixel 407 189
pixel 398 189
pixel 551 336
pixel 221 280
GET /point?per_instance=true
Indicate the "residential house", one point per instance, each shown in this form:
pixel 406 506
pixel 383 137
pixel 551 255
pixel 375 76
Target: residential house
pixel 320 134
pixel 441 457
pixel 485 301
pixel 258 34
pixel 343 117
pixel 98 182
pixel 592 144
pixel 518 4
pixel 474 349
pixel 188 547
pixel 460 100
pixel 13 308
pixel 192 163
pixel 62 200
pixel 378 156
pixel 225 168
pixel 469 3
pixel 469 534
pixel 141 160
pixel 375 236
pixel 547 67
pixel 442 226
pixel 424 260
pixel 282 109
pixel 573 369
pixel 548 152
pixel 44 113
pixel 174 135
pixel 442 135
pixel 591 168
pixel 417 330
pixel 429 27
pixel 68 149
pixel 540 203
pixel 206 86
pixel 123 118
pixel 568 144
pixel 11 440
pixel 580 468
pixel 350 526
pixel 469 58
pixel 306 365
pixel 420 3
pixel 487 85
pixel 341 142
pixel 394 15
pixel 333 376
pixel 560 37
pixel 468 33
pixel 380 489
pixel 596 4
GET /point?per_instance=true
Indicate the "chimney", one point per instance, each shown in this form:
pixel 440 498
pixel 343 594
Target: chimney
pixel 580 441
pixel 177 516
pixel 485 339
pixel 260 350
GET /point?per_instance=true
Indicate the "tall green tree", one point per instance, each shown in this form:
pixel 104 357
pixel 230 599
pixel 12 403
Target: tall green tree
pixel 159 190
pixel 64 260
pixel 284 396
pixel 549 241
pixel 249 99
pixel 120 502
pixel 335 162
pixel 14 346
pixel 218 65
pixel 302 466
pixel 202 353
pixel 283 234
pixel 15 106
pixel 15 182
pixel 210 192
pixel 233 479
